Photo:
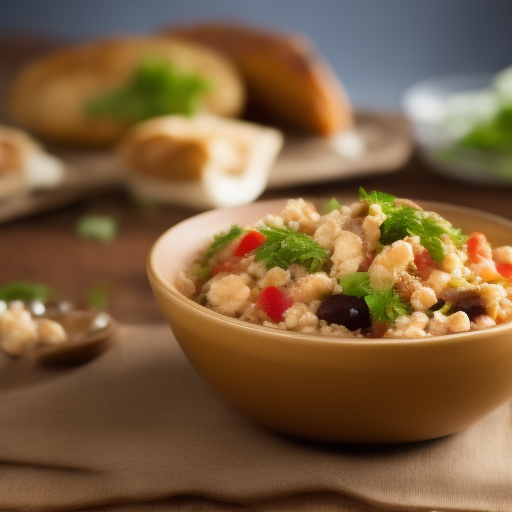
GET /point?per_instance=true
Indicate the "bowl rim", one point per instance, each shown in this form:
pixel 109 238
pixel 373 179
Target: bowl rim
pixel 319 339
pixel 440 82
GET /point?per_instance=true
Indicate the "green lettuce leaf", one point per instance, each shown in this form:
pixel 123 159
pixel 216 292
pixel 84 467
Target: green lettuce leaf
pixel 157 88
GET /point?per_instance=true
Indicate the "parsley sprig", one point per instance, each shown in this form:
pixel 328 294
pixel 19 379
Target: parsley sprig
pixel 156 88
pixel 97 227
pixel 356 284
pixel 403 220
pixel 384 200
pixel 284 246
pixel 384 306
pixel 407 221
pixel 220 240
pixel 25 291
pixel 98 297
pixel 332 205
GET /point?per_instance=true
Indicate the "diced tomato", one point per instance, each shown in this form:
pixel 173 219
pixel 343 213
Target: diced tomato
pixel 225 266
pixel 505 269
pixel 424 264
pixel 249 242
pixel 478 248
pixel 274 302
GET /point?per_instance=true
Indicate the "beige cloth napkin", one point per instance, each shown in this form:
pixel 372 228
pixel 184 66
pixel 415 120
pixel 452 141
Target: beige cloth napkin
pixel 137 425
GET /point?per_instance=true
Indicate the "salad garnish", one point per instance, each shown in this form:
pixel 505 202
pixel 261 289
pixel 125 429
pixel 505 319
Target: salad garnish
pixel 384 306
pixel 284 246
pixel 156 88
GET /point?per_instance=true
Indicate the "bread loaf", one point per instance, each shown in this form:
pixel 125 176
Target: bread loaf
pixel 203 161
pixel 24 164
pixel 288 82
pixel 50 96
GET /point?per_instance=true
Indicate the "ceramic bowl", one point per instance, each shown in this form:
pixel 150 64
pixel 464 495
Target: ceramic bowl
pixel 329 388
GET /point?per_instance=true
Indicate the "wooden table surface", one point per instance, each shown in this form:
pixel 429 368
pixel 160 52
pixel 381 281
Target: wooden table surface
pixel 46 248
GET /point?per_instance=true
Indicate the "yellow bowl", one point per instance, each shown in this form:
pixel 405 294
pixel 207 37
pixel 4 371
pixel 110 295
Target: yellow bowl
pixel 329 388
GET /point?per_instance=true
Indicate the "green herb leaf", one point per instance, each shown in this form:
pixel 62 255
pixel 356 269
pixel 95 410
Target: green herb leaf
pixel 386 306
pixel 402 221
pixel 97 227
pixel 156 88
pixel 204 272
pixel 407 221
pixel 25 291
pixel 376 197
pixel 356 284
pixel 399 223
pixel 430 237
pixel 456 234
pixel 223 239
pixel 284 246
pixel 98 297
pixel 494 135
pixel 219 241
pixel 331 206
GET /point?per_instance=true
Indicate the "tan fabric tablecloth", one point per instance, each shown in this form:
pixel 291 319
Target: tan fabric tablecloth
pixel 137 425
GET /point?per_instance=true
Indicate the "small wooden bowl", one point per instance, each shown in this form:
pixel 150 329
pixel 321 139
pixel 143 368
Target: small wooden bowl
pixel 88 330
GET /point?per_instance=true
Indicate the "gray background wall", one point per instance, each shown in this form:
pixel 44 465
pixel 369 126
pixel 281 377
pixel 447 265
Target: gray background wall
pixel 377 47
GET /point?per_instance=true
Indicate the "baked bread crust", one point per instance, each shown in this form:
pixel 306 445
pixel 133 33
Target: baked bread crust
pixel 49 96
pixel 288 82
pixel 24 164
pixel 14 146
pixel 179 149
pixel 202 161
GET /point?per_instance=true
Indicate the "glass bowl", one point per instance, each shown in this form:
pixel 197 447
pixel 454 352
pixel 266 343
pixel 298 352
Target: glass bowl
pixel 440 111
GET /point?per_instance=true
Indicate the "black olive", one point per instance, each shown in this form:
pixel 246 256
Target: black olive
pixel 472 307
pixel 438 305
pixel 352 312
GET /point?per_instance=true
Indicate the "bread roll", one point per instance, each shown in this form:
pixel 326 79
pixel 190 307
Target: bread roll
pixel 203 161
pixel 288 82
pixel 24 164
pixel 50 95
